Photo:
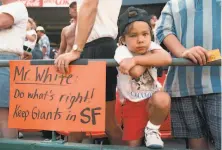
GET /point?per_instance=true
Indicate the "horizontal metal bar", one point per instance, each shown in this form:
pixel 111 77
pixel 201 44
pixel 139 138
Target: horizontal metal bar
pixel 111 62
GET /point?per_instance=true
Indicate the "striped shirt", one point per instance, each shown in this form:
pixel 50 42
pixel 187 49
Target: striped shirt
pixel 194 23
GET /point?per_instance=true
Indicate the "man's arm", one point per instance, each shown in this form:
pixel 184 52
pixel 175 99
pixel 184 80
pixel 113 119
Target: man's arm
pixel 86 20
pixel 166 33
pixel 6 21
pixel 63 43
pixel 197 54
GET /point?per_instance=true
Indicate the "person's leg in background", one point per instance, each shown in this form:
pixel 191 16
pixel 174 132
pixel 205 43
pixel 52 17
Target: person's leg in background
pixel 5 132
pixel 113 130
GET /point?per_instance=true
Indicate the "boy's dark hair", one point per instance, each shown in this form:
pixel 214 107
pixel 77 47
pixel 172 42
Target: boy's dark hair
pixel 131 15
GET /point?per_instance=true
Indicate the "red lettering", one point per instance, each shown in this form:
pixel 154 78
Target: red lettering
pixel 62 2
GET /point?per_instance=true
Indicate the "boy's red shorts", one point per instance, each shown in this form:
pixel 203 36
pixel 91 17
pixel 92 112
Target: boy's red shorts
pixel 134 117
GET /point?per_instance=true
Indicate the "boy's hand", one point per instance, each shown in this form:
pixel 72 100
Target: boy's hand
pixel 196 54
pixel 126 64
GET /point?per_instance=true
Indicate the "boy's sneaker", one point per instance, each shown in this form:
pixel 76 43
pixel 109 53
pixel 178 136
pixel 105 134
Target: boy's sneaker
pixel 152 139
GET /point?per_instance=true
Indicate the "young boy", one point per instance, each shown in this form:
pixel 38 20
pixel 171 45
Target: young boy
pixel 137 80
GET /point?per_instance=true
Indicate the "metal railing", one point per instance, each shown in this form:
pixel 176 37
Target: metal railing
pixel 10 144
pixel 112 62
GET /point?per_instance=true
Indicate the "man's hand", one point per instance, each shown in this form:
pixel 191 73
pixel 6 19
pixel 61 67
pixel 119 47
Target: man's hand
pixel 126 64
pixel 56 55
pixel 197 54
pixel 26 55
pixel 63 60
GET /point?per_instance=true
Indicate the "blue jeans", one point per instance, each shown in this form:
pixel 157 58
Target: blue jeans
pixel 4 80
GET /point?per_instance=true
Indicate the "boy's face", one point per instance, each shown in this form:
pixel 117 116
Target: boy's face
pixel 138 38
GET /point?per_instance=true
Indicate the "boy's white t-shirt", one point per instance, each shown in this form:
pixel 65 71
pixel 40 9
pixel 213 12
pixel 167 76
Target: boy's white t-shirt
pixel 28 43
pixel 139 89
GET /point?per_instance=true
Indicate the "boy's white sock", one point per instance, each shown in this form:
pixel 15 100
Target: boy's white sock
pixel 152 126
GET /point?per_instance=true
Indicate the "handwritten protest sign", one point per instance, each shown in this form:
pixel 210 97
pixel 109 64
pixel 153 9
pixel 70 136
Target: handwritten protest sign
pixel 41 98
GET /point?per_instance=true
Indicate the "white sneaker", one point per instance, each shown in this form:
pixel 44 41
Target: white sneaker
pixel 20 135
pixel 152 139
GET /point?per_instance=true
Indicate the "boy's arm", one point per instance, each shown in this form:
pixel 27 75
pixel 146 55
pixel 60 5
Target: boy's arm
pixel 136 65
pixel 135 72
pixel 123 57
pixel 156 57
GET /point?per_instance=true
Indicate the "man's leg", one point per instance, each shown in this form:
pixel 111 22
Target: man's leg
pixel 212 108
pixel 113 131
pixel 198 144
pixel 187 122
pixel 6 132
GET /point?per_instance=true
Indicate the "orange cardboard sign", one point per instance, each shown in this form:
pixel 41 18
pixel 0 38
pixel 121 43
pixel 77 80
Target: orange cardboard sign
pixel 214 55
pixel 41 98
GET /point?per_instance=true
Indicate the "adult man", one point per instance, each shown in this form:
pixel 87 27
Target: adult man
pixel 189 28
pixel 97 26
pixel 44 43
pixel 13 22
pixel 68 32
